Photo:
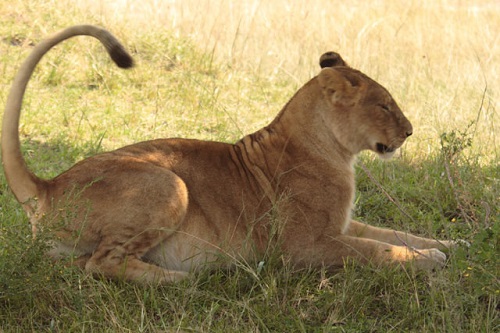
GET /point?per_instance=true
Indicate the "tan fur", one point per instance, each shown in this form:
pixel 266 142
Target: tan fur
pixel 155 210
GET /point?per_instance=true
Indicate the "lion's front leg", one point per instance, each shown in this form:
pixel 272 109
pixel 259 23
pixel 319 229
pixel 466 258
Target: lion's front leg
pixel 335 250
pixel 358 229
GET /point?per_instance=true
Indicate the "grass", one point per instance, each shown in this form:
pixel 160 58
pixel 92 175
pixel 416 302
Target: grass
pixel 217 70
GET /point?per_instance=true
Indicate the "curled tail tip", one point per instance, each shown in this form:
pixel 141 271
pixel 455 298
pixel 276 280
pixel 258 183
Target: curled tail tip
pixel 121 57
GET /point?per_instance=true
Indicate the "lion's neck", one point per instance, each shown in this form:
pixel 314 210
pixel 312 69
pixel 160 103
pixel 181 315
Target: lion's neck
pixel 301 127
pixel 296 140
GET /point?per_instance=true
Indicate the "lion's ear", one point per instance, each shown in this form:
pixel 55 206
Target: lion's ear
pixel 341 88
pixel 331 59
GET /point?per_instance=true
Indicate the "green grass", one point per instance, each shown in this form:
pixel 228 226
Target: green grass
pixel 222 75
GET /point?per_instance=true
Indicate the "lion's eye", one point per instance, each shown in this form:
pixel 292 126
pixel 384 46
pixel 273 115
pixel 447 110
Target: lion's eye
pixel 384 107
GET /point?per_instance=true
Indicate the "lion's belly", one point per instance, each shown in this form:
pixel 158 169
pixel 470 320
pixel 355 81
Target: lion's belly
pixel 174 255
pixel 185 251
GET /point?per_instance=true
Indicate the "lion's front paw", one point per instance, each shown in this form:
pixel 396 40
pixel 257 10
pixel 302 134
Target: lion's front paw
pixel 429 259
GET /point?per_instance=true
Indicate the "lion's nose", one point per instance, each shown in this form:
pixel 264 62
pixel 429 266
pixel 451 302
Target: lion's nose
pixel 407 127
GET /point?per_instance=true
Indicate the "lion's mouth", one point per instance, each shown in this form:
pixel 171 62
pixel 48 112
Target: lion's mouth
pixel 382 149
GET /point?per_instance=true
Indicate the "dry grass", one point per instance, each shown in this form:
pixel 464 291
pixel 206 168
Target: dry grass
pixel 440 59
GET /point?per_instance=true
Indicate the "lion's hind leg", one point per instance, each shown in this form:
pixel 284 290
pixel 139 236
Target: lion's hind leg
pixel 131 212
pixel 117 263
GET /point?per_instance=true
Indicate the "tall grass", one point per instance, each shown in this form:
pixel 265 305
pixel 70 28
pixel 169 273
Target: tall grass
pixel 219 69
pixel 440 58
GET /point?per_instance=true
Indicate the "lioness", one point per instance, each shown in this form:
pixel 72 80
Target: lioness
pixel 155 210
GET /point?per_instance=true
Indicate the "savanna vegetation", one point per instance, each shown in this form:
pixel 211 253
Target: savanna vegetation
pixel 217 70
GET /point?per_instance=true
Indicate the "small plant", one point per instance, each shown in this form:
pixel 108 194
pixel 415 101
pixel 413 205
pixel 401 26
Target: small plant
pixel 456 141
pixel 452 145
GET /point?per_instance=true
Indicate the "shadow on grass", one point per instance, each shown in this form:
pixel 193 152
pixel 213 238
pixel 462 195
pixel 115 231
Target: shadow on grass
pixel 48 159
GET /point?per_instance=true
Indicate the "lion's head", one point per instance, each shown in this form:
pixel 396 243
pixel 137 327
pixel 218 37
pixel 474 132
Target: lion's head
pixel 363 114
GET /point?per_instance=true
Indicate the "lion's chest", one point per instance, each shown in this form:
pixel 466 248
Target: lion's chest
pixel 319 204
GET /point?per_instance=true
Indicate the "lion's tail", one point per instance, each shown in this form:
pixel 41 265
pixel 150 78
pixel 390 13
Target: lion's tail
pixel 23 183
